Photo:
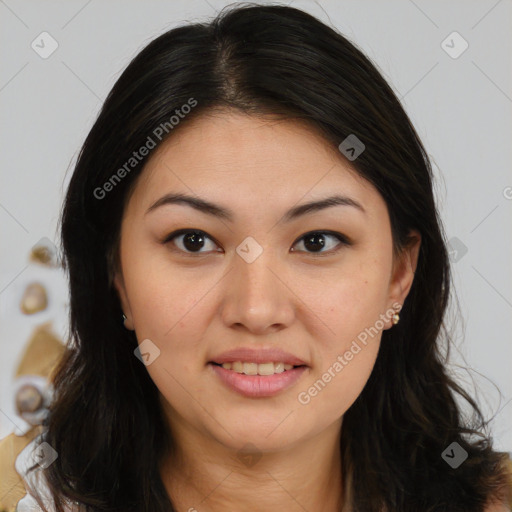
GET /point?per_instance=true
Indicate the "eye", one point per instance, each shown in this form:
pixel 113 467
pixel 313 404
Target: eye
pixel 315 240
pixel 191 241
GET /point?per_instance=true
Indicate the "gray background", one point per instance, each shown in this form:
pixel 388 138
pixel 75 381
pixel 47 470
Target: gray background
pixel 460 106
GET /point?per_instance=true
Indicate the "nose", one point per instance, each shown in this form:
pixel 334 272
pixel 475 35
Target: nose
pixel 257 296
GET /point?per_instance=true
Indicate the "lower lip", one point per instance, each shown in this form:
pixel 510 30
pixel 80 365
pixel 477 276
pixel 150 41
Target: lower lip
pixel 256 386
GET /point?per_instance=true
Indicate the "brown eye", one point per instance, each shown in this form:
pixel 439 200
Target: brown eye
pixel 189 241
pixel 192 241
pixel 316 241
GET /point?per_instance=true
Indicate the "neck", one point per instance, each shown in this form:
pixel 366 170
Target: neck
pixel 206 476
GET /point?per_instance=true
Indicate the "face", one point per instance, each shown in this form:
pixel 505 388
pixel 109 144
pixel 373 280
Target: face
pixel 259 279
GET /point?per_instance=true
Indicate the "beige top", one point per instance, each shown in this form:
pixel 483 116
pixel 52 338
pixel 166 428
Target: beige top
pixel 18 486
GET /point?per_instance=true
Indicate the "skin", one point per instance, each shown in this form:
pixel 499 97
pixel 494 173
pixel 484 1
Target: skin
pixel 196 307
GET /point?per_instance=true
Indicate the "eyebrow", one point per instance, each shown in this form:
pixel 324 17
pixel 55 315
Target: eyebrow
pixel 216 210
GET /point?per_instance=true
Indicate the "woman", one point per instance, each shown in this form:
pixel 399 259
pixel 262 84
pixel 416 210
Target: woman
pixel 255 204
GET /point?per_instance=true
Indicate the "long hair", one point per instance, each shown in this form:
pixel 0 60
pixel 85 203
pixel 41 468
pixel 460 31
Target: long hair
pixel 106 422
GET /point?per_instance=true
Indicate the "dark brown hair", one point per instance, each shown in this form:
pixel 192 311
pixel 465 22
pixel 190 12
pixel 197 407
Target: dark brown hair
pixel 106 422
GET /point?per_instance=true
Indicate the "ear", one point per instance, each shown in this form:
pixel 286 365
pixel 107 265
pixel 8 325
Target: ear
pixel 404 268
pixel 123 297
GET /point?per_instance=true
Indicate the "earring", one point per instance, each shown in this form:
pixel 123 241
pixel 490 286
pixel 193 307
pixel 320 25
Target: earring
pixel 396 318
pixel 124 321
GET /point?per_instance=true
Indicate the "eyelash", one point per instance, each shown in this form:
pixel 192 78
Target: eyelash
pixel 344 241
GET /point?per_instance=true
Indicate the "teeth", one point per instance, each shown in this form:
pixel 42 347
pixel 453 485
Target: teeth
pixel 257 369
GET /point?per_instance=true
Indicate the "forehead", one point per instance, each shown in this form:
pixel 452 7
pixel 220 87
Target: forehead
pixel 249 161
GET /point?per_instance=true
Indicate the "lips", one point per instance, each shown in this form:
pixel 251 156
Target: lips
pixel 257 386
pixel 260 356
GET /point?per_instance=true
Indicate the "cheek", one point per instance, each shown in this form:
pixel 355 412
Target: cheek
pixel 330 391
pixel 351 300
pixel 347 340
pixel 344 350
pixel 162 296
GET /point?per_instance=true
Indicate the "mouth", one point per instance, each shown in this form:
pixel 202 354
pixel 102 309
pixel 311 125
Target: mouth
pixel 257 380
pixel 262 369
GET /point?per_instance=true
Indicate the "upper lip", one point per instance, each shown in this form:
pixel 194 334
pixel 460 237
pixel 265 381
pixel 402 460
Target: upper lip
pixel 260 355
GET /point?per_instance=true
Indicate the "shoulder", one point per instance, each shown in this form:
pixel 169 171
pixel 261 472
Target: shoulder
pixel 21 488
pixel 507 505
pixel 498 508
pixel 12 486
